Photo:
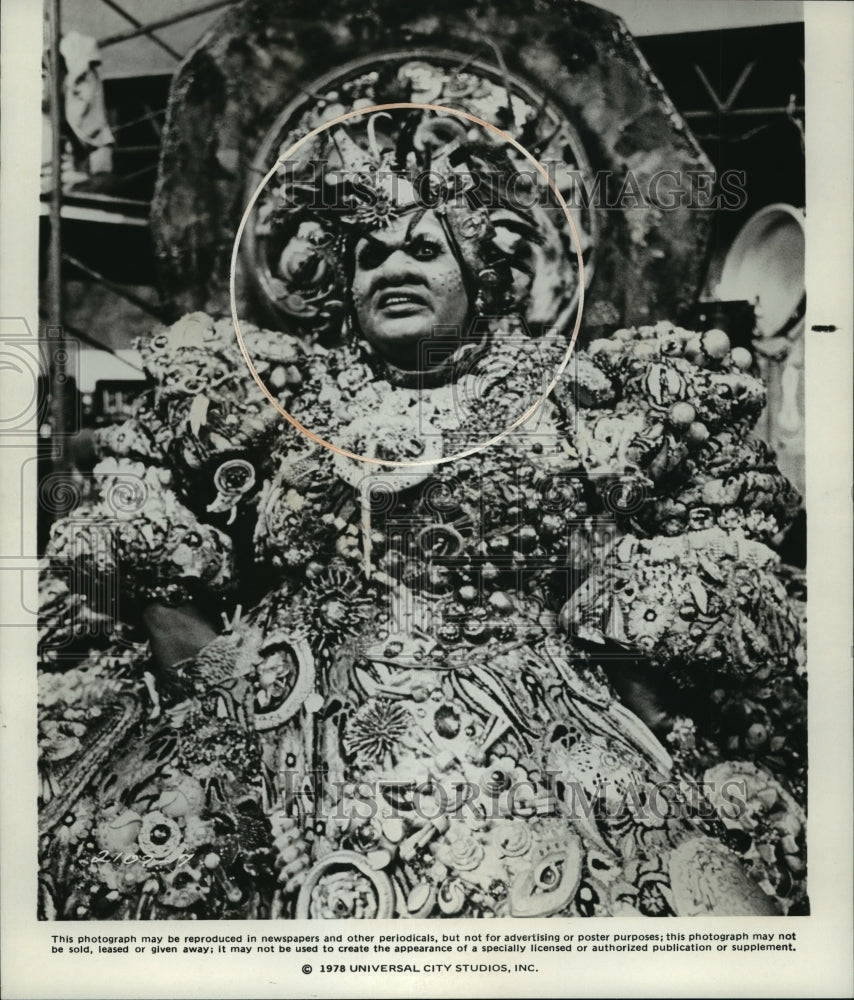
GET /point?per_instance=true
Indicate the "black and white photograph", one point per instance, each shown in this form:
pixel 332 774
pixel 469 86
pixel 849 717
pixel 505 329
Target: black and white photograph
pixel 416 481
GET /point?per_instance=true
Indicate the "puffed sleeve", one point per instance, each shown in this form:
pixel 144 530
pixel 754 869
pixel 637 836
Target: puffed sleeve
pixel 135 532
pixel 663 421
pixel 156 520
pixel 691 591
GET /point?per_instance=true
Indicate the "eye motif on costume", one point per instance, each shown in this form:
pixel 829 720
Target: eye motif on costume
pixel 550 884
pixel 232 480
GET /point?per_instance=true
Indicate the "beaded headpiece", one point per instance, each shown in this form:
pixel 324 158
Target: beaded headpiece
pixel 365 173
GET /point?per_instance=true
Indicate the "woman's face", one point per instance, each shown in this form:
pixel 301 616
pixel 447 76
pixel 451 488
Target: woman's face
pixel 406 283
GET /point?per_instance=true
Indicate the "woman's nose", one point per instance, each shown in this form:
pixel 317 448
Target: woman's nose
pixel 399 265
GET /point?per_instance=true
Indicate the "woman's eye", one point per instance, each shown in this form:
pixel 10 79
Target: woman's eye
pixel 425 251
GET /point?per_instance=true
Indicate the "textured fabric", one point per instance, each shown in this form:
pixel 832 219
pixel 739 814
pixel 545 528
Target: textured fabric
pixel 409 710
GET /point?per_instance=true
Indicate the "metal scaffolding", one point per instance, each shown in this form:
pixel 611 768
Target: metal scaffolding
pixel 102 208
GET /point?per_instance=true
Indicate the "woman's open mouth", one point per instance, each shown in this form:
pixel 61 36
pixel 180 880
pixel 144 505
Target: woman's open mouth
pixel 401 301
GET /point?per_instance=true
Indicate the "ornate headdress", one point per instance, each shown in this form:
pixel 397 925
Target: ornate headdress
pixel 364 173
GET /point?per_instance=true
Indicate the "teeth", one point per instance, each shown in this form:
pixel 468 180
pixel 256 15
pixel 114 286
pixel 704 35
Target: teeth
pixel 398 298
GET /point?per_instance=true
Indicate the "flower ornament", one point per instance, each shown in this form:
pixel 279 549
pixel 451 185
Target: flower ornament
pixel 160 836
pixel 683 736
pixel 686 403
pixel 647 623
pixel 424 81
pixel 377 731
pixel 697 603
pixel 338 605
pixel 136 439
pixel 744 795
pixel 90 540
pixel 512 839
pixel 77 823
pixel 343 886
pixel 463 853
pixel 288 530
pixel 396 437
pixel 209 409
pixel 158 547
pixel 56 743
pixel 125 486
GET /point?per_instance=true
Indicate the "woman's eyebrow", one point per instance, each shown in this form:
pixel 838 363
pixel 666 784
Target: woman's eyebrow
pixel 420 239
pixel 373 244
pixel 374 250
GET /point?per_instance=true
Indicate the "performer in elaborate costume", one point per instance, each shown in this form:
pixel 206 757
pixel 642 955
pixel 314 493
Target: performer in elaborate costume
pixel 449 689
